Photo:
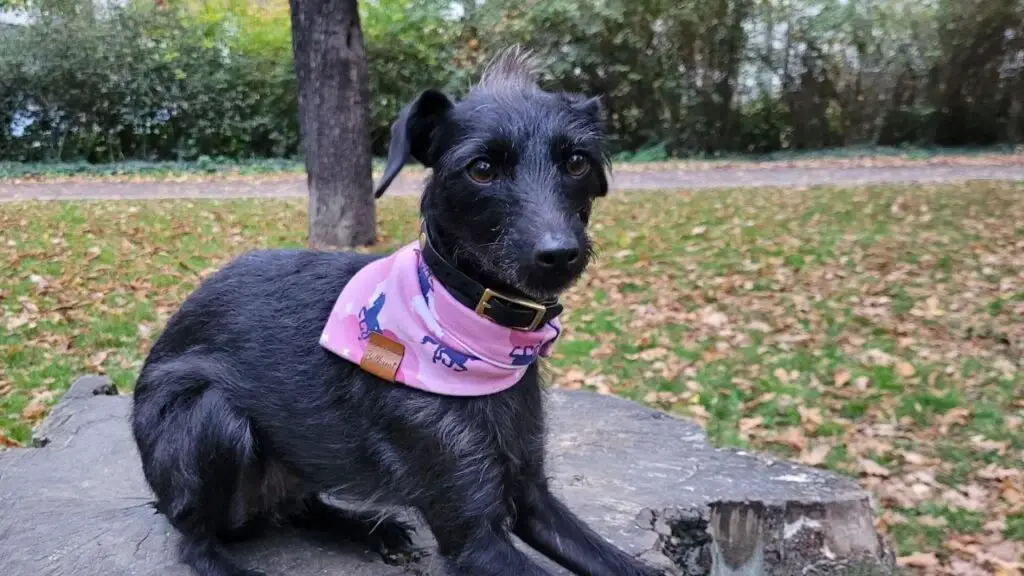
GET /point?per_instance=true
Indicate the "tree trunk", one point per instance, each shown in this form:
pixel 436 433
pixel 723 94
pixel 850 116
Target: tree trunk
pixel 330 66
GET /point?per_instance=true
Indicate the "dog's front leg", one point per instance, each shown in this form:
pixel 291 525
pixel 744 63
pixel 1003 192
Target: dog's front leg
pixel 489 553
pixel 467 520
pixel 547 525
pixel 473 548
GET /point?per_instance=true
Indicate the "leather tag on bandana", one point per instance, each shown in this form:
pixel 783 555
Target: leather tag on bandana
pixel 382 356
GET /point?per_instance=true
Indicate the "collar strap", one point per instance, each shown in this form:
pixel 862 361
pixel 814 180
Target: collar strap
pixel 502 309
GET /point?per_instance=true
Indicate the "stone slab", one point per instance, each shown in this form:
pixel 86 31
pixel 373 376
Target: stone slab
pixel 77 505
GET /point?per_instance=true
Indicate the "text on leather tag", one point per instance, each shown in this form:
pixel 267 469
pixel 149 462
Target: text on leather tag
pixel 382 356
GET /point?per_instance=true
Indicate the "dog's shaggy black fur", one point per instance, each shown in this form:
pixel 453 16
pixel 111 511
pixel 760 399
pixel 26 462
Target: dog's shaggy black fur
pixel 242 419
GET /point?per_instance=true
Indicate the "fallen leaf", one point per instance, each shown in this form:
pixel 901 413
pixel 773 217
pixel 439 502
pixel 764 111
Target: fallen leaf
pixel 699 414
pixel 811 418
pixel 748 424
pixel 931 521
pixel 40 283
pixel 905 369
pixel 904 496
pixel 918 560
pixel 8 442
pixel 98 358
pixel 956 416
pixel 762 399
pixel 709 356
pixel 986 445
pixel 1005 551
pixel 573 379
pixel 815 456
pixel 967 499
pixel 713 318
pixel 996 526
pixel 1013 496
pixel 841 377
pixel 872 468
pixel 652 354
pixel 16 322
pixel 915 459
pixel 960 567
pixel 34 411
pixel 876 357
pixel 600 385
pixel 1005 366
pixel 792 437
pixel 759 327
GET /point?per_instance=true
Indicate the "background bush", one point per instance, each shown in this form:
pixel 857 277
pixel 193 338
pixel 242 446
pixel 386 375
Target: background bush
pixel 183 79
pixel 151 83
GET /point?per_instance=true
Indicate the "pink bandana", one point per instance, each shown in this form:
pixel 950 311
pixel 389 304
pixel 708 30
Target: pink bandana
pixel 394 303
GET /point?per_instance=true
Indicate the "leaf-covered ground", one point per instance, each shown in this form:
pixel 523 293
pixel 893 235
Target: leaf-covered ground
pixel 877 332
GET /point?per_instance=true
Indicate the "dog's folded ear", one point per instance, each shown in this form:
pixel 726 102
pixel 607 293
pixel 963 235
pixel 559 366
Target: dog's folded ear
pixel 411 134
pixel 589 105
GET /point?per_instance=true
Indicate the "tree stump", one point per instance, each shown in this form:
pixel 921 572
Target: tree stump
pixel 649 482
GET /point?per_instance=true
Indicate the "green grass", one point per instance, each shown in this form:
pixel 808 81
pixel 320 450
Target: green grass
pixel 148 170
pixel 820 325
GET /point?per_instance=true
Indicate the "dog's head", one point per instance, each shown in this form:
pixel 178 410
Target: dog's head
pixel 514 172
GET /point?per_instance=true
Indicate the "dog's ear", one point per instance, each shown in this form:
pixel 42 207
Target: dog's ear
pixel 590 106
pixel 411 134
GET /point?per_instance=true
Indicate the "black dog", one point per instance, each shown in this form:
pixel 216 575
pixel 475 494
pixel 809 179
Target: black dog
pixel 242 420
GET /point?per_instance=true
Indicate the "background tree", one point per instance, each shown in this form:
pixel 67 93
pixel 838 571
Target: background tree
pixel 331 69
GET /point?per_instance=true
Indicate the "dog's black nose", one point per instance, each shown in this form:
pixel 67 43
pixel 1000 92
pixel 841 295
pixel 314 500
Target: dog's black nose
pixel 556 251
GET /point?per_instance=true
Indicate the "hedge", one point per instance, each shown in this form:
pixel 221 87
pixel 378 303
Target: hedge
pixel 183 79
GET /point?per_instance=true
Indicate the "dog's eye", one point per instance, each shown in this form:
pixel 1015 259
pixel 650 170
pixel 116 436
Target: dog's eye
pixel 577 165
pixel 481 171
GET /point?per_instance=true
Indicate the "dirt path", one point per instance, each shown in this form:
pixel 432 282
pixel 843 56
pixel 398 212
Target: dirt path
pixel 623 180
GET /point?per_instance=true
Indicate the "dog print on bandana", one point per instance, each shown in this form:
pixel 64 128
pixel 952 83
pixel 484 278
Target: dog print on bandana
pixel 448 348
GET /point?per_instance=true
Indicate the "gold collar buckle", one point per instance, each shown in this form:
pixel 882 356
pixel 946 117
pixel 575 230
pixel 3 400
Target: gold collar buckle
pixel 539 309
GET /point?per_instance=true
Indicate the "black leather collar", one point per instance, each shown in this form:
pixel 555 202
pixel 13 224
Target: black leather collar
pixel 505 310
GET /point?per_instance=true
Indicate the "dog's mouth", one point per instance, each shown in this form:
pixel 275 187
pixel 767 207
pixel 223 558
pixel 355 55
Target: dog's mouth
pixel 547 284
pixel 501 267
pixel 506 275
pixel 506 266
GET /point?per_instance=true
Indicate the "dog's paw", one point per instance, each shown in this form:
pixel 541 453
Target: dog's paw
pixel 390 535
pixel 392 540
